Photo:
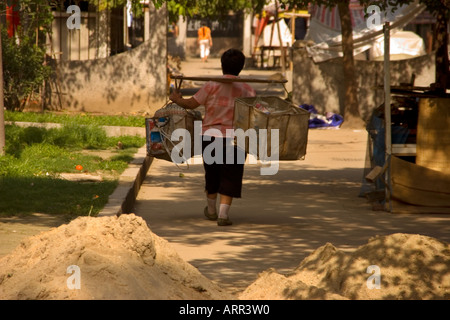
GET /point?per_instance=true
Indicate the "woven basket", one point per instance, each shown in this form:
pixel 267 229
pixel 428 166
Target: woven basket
pixel 290 120
pixel 175 117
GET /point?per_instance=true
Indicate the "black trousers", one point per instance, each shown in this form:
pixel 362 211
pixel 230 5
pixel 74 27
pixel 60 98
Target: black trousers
pixel 223 173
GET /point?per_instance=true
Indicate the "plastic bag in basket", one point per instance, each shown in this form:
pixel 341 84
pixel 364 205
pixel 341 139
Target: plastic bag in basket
pixel 159 129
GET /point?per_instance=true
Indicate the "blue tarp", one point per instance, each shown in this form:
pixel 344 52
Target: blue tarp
pixel 316 120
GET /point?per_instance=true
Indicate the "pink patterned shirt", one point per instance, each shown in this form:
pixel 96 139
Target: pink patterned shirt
pixel 218 99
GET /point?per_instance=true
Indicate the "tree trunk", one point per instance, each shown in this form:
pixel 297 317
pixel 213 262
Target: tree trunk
pixel 352 115
pixel 441 47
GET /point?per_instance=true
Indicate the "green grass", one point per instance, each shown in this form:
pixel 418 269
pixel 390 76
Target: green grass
pixel 84 119
pixel 28 194
pixel 70 137
pixel 29 172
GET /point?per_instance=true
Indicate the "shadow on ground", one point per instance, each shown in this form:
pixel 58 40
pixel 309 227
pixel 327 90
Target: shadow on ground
pixel 279 221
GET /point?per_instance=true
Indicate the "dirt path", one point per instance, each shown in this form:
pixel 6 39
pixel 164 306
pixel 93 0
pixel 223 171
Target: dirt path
pixel 14 229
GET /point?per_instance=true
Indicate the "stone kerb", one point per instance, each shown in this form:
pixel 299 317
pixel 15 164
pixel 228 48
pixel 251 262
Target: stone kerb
pixel 124 196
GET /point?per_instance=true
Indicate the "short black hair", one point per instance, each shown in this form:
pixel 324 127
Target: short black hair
pixel 233 61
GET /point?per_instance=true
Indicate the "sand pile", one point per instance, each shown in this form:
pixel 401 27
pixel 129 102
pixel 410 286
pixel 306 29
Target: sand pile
pixel 410 266
pixel 118 258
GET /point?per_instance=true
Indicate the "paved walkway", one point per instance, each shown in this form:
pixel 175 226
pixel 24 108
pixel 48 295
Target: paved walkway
pixel 281 218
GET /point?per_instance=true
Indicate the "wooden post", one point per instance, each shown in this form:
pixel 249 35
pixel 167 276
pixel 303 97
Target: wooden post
pixel 283 52
pixel 146 22
pixel 270 43
pixel 293 17
pixel 2 106
pixel 387 112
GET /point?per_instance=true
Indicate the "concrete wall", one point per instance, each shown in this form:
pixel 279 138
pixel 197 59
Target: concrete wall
pixel 226 34
pixel 321 84
pixel 186 45
pixel 220 45
pixel 132 81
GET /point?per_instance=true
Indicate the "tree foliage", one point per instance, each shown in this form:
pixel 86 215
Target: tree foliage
pixel 176 8
pixel 34 14
pixel 433 6
pixel 215 9
pixel 24 54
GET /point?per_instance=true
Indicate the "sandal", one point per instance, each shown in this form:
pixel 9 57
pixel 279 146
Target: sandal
pixel 224 222
pixel 212 217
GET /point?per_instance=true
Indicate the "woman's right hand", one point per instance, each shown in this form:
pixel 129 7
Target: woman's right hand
pixel 175 96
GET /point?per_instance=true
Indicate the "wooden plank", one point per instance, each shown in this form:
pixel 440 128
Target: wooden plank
pixel 401 207
pixel 419 185
pixel 84 38
pixel 74 44
pixel 404 149
pixel 433 134
pixel 406 88
pixel 92 40
pixel 64 40
pixel 376 172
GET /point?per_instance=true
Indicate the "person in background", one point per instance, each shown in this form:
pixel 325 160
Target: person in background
pixel 222 180
pixel 204 41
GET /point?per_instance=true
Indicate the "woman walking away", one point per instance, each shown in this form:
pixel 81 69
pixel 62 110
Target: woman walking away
pixel 204 41
pixel 223 179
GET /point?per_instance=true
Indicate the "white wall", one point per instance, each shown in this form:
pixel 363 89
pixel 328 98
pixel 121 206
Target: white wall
pixel 127 82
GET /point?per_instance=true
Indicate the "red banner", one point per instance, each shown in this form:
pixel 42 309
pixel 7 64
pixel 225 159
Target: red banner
pixel 12 18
